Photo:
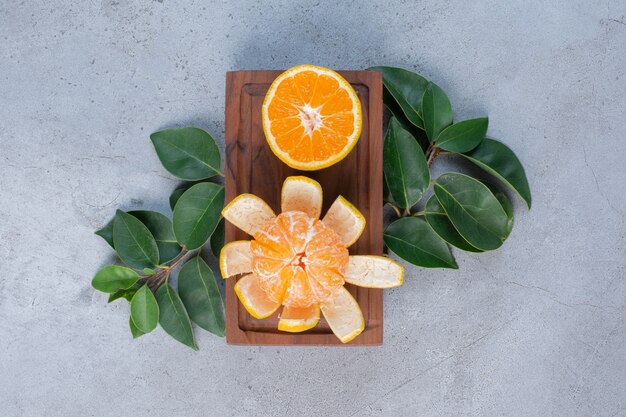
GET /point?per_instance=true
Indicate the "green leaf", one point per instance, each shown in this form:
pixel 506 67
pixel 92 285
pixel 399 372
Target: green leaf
pixel 106 233
pixel 176 194
pixel 473 210
pixel 144 310
pixel 504 202
pixel 463 136
pixel 406 88
pixel 396 111
pixel 201 296
pixel 188 153
pixel 159 225
pixel 500 161
pixel 404 165
pixel 438 219
pixel 126 293
pixel 436 111
pixel 218 237
pixel 133 242
pixel 149 271
pixel 133 329
pixel 197 213
pixel 161 228
pixel 414 240
pixel 173 317
pixel 114 277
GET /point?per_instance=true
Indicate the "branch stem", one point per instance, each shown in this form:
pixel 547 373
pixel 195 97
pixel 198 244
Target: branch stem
pixel 163 274
pixel 395 208
pixel 434 151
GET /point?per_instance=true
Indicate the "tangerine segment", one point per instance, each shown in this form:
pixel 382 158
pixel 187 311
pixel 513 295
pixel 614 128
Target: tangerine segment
pixel 248 212
pixel 275 286
pixel 299 289
pixel 235 258
pixel 343 315
pixel 346 220
pixel 299 319
pixel 254 298
pixel 302 194
pixel 298 259
pixel 372 271
pixel 311 117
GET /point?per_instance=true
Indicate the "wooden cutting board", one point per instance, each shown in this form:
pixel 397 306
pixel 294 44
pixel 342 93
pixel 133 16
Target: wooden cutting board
pixel 251 167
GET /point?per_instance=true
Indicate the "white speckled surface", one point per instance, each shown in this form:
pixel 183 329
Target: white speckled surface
pixel 537 328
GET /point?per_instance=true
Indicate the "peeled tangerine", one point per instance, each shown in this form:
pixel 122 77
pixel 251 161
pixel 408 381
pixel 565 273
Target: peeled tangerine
pixel 300 262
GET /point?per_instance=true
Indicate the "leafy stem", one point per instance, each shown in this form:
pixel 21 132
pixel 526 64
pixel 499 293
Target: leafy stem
pixel 163 273
pixel 394 207
pixel 431 153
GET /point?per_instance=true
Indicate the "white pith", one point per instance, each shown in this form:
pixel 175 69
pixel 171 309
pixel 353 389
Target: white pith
pixel 310 117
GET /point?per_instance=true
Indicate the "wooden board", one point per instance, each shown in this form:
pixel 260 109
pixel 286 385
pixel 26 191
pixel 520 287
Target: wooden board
pixel 251 167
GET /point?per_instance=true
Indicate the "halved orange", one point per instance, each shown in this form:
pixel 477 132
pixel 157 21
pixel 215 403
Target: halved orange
pixel 311 117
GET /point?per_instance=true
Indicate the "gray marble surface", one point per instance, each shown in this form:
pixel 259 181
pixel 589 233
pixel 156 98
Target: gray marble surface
pixel 537 328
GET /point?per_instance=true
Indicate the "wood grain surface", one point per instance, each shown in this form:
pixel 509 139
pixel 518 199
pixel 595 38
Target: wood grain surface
pixel 251 167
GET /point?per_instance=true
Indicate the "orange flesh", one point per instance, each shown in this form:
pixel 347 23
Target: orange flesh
pixel 298 260
pixel 312 117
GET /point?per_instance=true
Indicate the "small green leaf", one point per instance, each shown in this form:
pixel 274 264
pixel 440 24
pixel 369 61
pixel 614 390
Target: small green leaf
pixel 404 165
pixel 159 225
pixel 144 310
pixel 463 136
pixel 473 210
pixel 201 296
pixel 396 111
pixel 114 277
pixel 149 271
pixel 197 213
pixel 414 240
pixel 106 233
pixel 436 111
pixel 188 153
pixel 500 161
pixel 133 329
pixel 173 317
pixel 407 89
pixel 504 202
pixel 133 242
pixel 176 195
pixel 126 293
pixel 218 237
pixel 438 219
pixel 161 228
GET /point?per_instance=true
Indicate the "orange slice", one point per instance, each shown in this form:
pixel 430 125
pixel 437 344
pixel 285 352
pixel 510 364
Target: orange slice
pixel 248 212
pixel 254 298
pixel 343 315
pixel 372 271
pixel 346 220
pixel 311 117
pixel 299 319
pixel 235 258
pixel 302 194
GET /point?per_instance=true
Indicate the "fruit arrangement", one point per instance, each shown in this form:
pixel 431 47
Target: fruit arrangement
pixel 296 263
pixel 301 262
